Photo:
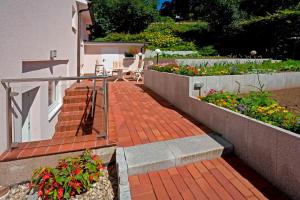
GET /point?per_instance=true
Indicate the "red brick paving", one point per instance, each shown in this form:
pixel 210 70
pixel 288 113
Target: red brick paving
pixel 142 117
pixel 214 179
pixel 137 116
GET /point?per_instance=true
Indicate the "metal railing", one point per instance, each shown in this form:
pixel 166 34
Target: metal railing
pixel 9 94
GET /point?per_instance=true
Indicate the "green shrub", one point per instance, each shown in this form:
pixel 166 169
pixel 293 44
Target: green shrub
pixel 164 35
pixel 258 105
pixel 72 176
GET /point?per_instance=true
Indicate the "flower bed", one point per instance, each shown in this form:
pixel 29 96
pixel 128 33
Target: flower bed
pixel 258 105
pixel 231 69
pixel 72 176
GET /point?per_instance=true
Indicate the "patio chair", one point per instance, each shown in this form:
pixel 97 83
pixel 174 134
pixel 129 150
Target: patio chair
pixel 138 74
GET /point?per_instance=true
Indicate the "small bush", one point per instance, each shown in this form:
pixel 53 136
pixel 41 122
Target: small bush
pixel 72 176
pixel 258 105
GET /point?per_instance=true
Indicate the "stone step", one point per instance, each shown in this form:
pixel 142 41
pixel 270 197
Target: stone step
pixel 162 155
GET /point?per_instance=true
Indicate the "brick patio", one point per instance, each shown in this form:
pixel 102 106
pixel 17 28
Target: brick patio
pixel 210 179
pixel 137 116
pixel 142 117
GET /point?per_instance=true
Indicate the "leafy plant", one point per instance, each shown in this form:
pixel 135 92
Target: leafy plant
pixel 72 176
pixel 258 105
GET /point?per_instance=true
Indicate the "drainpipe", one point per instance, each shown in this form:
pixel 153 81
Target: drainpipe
pixel 78 40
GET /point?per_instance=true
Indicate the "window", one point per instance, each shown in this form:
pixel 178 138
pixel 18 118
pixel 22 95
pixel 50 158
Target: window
pixel 52 94
pixel 54 98
pixel 74 22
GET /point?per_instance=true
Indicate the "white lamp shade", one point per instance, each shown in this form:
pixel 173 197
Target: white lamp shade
pixel 157 51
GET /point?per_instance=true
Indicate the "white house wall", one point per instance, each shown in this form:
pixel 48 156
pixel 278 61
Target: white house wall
pixel 109 53
pixel 29 30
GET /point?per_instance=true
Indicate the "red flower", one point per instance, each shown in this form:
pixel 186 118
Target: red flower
pixel 46 177
pixel 47 192
pixel 91 178
pixel 77 171
pixel 76 185
pixel 94 157
pixel 40 193
pixel 55 184
pixel 60 192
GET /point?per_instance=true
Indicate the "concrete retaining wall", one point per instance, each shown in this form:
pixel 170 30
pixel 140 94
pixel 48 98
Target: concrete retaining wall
pixel 211 62
pixel 271 151
pixel 246 83
pixel 151 54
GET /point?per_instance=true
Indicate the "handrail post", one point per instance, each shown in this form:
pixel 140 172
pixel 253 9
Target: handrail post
pixel 105 106
pixel 8 117
pixel 94 97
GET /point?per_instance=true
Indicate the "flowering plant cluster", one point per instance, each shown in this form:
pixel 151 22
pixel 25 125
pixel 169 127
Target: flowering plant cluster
pixel 229 69
pixel 72 176
pixel 258 105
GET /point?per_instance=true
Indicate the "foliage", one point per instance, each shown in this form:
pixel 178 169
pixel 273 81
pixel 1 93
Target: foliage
pixel 262 8
pixel 163 35
pixel 126 16
pixel 70 177
pixel 233 69
pixel 268 35
pixel 218 13
pixel 258 105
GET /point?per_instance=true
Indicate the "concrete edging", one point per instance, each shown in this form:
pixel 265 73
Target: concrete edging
pixel 123 182
pixel 271 151
pixel 19 171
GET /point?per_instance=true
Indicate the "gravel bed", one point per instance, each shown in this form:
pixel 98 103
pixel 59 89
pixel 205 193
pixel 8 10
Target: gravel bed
pixel 102 190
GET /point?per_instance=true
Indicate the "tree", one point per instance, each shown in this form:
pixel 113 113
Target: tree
pixel 264 7
pixel 218 13
pixel 126 16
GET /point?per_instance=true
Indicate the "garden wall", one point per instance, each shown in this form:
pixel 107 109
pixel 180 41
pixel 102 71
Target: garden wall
pixel 211 62
pixel 271 151
pixel 246 83
pixel 151 54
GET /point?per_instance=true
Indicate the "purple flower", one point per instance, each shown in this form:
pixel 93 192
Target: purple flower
pixel 241 108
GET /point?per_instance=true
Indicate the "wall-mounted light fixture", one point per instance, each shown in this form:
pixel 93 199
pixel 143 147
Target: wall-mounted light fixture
pixel 53 54
pixel 198 86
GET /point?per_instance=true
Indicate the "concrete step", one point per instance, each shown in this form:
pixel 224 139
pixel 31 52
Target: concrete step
pixel 162 155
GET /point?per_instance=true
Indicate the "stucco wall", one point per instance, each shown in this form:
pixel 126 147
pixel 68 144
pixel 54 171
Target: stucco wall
pixel 108 53
pixel 29 30
pixel 271 151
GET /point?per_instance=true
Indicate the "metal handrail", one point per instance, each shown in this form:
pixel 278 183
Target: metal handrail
pixel 60 78
pixel 9 95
